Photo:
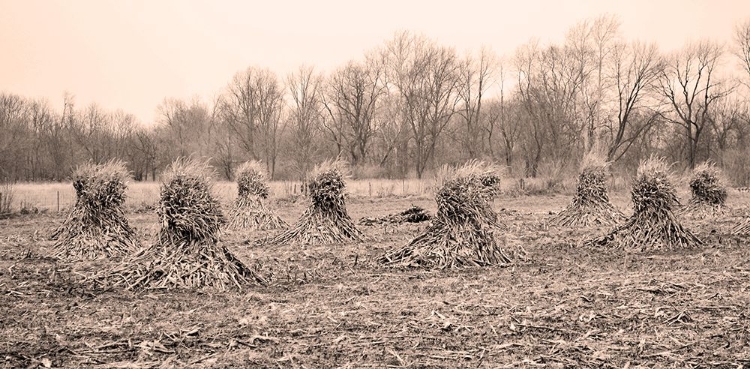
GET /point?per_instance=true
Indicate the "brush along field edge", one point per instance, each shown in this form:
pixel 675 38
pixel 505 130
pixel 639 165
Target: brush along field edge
pixel 96 226
pixel 188 252
pixel 462 233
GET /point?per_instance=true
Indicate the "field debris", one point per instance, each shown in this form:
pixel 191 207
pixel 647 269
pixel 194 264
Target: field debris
pixel 590 205
pixel 653 225
pixel 325 221
pixel 414 214
pixel 188 252
pixel 461 233
pixel 249 211
pixel 96 227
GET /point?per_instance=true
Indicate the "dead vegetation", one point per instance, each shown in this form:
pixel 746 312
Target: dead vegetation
pixel 590 205
pixel 336 306
pixel 709 192
pixel 326 220
pixel 414 214
pixel 249 210
pixel 653 225
pixel 188 252
pixel 96 227
pixel 462 233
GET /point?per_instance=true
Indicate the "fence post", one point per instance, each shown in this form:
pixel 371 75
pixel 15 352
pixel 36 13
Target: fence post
pixel 369 185
pixel 58 201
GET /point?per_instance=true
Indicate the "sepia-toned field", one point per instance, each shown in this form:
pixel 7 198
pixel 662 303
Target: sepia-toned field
pixel 558 305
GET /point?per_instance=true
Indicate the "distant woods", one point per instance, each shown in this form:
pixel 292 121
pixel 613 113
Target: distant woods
pixel 410 105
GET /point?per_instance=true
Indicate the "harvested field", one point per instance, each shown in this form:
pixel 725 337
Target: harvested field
pixel 561 305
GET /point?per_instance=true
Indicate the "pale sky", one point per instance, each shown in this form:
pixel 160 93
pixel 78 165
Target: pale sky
pixel 132 54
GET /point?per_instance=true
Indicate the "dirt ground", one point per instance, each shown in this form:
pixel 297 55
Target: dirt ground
pixel 558 305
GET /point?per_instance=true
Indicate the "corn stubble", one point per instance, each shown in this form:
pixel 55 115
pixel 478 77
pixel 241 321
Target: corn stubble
pixel 461 233
pixel 325 221
pixel 96 227
pixel 188 252
pixel 249 210
pixel 590 205
pixel 653 225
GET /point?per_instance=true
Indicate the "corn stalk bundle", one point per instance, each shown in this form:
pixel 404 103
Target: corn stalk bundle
pixel 461 233
pixel 325 220
pixel 248 210
pixel 709 192
pixel 96 227
pixel 590 205
pixel 187 253
pixel 413 214
pixel 653 225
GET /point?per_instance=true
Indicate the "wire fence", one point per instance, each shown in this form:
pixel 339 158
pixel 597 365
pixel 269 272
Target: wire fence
pixel 61 197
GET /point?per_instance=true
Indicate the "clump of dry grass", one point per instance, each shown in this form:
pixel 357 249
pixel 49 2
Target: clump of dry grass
pixel 325 220
pixel 709 192
pixel 743 228
pixel 187 253
pixel 653 225
pixel 413 214
pixel 590 205
pixel 96 226
pixel 248 210
pixel 462 232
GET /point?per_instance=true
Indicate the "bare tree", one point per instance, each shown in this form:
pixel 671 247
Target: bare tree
pixel 590 44
pixel 425 77
pixel 548 85
pixel 742 48
pixel 351 100
pixel 689 84
pixel 305 118
pixel 252 107
pixel 475 79
pixel 635 67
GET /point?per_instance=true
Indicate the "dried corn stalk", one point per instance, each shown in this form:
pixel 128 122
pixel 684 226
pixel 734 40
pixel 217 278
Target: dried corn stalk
pixel 188 253
pixel 462 232
pixel 325 220
pixel 96 227
pixel 248 210
pixel 653 225
pixel 590 205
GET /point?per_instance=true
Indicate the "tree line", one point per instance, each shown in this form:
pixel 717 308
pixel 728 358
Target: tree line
pixel 411 104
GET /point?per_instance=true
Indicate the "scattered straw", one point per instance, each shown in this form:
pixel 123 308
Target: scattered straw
pixel 413 214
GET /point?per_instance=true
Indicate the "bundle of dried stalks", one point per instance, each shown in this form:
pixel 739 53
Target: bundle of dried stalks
pixel 325 220
pixel 414 214
pixel 709 192
pixel 653 225
pixel 96 227
pixel 590 206
pixel 462 232
pixel 743 228
pixel 188 253
pixel 249 211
